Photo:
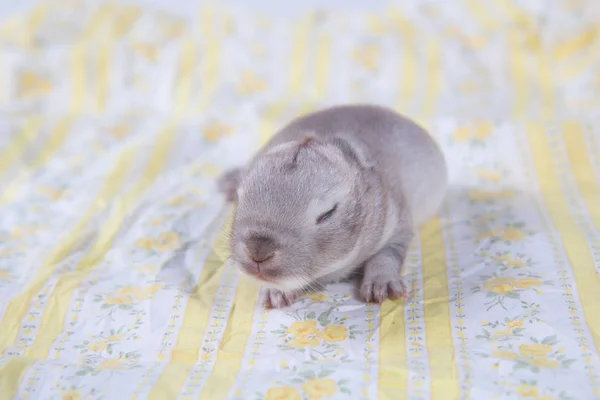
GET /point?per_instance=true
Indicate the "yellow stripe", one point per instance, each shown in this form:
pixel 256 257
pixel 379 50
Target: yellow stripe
pixel 487 21
pixel 233 346
pixel 57 137
pixel 575 67
pixel 19 143
pixel 53 317
pixel 18 307
pixel 438 328
pixel 210 62
pixel 195 323
pixel 184 87
pixel 100 19
pixel 227 367
pixel 35 18
pixel 228 364
pixel 12 374
pixel 393 371
pixel 575 44
pixel 546 86
pixel 298 60
pixel 407 79
pixel 575 244
pixel 583 171
pixel 77 73
pixel 104 62
pixel 517 66
pixel 434 63
pixel 323 65
pixel 514 13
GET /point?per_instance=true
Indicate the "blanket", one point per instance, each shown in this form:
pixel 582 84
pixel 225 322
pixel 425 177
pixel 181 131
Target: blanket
pixel 116 118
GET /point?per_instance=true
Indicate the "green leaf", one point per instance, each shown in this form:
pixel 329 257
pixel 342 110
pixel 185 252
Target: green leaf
pixel 568 363
pixel 324 318
pixel 81 372
pixel 345 390
pixel 325 373
pixel 308 374
pixel 311 315
pixel 512 295
pixel 550 340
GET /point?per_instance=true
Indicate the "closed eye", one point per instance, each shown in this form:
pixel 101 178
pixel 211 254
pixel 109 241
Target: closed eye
pixel 325 216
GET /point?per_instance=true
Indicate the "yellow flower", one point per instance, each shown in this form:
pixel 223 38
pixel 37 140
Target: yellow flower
pixel 511 234
pixel 514 324
pixel 334 333
pixel 543 362
pixel 545 397
pixel 515 263
pixel 96 346
pixel 319 387
pixel 503 333
pixel 147 50
pixel 205 356
pixel 503 259
pixel 499 285
pixel 117 300
pixel 481 195
pixel 70 394
pixel 168 241
pixel 52 193
pixel 482 131
pixel 318 297
pixel 505 355
pixel 215 131
pixel 113 363
pixel 119 130
pixel 282 393
pixel 527 391
pixel 250 83
pixel 150 290
pixel 535 350
pixel 146 243
pixel 129 291
pixel 22 231
pixel 303 341
pixel 462 134
pixel 527 283
pixel 116 338
pixel 33 85
pixel 488 175
pixel 302 328
pixel 4 274
pixel 368 57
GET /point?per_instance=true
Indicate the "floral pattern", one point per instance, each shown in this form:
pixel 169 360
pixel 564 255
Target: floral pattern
pixel 117 119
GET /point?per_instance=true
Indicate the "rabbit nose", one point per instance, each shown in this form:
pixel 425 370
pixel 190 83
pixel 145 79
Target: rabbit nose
pixel 260 248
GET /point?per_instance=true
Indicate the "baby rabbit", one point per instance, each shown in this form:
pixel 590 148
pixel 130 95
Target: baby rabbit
pixel 336 192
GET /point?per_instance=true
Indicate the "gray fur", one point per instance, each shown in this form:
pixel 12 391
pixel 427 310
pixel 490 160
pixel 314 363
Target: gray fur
pixel 383 173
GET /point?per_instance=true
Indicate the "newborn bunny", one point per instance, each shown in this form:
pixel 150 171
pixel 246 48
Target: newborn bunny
pixel 333 193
